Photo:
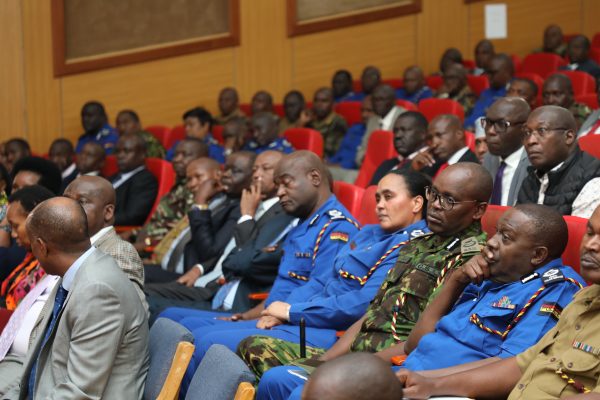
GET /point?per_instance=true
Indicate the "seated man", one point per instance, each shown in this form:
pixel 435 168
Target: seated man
pixel 579 56
pixel 561 365
pixel 500 72
pixel 341 85
pixel 455 87
pixel 96 128
pixel 198 123
pixel 447 146
pixel 481 148
pixel 295 116
pixel 558 91
pixel 91 159
pixel 265 136
pixel 560 171
pixel 62 154
pixel 553 41
pixel 484 52
pixel 178 200
pixel 94 354
pixel 525 89
pixel 413 88
pixel 331 125
pixel 369 79
pixel 31 171
pixel 410 132
pixel 129 122
pixel 591 126
pixel 14 150
pixel 235 131
pixel 262 101
pixel 228 106
pixel 507 160
pixel 136 187
pixel 451 56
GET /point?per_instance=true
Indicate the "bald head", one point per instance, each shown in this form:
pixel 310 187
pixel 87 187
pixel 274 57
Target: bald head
pixel 555 116
pixel 547 227
pixel 97 197
pixel 371 378
pixel 553 38
pixel 474 180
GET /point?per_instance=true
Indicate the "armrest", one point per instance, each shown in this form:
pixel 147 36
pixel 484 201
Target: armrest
pixel 258 296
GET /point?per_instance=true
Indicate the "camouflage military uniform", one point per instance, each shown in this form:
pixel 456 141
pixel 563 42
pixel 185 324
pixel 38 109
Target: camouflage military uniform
pixel 171 208
pixel 153 147
pixel 333 128
pixel 580 111
pixel 403 295
pixel 465 97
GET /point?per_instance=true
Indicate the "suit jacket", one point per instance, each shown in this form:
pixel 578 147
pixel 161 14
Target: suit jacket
pixel 68 179
pixel 469 156
pixel 589 123
pixel 99 346
pixel 373 125
pixel 492 163
pixel 135 198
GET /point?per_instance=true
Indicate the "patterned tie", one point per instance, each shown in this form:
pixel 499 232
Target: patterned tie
pixel 497 191
pixel 59 301
pixel 442 167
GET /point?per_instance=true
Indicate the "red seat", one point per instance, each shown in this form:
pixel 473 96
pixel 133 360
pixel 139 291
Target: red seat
pixel 379 149
pixel 350 110
pixel 110 166
pixel 434 81
pixel 582 82
pixel 470 140
pixel 517 62
pixel 246 109
pixel 478 83
pixel 305 139
pixel 349 195
pixel 430 108
pixel 491 217
pixel 160 132
pixel 177 134
pixel 596 40
pixel 217 132
pixel 589 99
pixel 577 228
pixel 357 86
pixel 367 214
pixel 595 54
pixel 408 105
pixel 538 80
pixel 469 64
pixel 543 64
pixel 4 317
pixel 396 83
pixel 279 110
pixel 164 174
pixel 591 144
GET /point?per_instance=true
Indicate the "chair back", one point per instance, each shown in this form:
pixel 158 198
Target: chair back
pixel 379 148
pixel 590 144
pixel 164 174
pixel 350 110
pixel 478 83
pixel 305 139
pixel 177 134
pixel 577 228
pixel 349 195
pixel 367 214
pixel 431 108
pixel 408 105
pixel 160 132
pixel 582 82
pixel 543 64
pixel 491 217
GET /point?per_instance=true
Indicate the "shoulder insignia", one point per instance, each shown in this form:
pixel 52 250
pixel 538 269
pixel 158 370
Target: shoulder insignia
pixel 335 214
pixel 341 236
pixel 470 245
pixel 416 233
pixel 453 244
pixel 553 275
pixel 551 309
pixel 312 221
pixel 530 277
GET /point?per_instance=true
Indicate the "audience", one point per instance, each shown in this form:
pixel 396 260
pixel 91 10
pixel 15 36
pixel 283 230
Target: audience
pixel 560 171
pixel 129 122
pixel 96 128
pixel 507 160
pixel 553 41
pixel 341 85
pixel 62 154
pixel 262 101
pixel 481 147
pixel 295 115
pixel 525 89
pixel 90 160
pixel 228 106
pixel 413 86
pixel 369 80
pixel 234 135
pixel 265 136
pixel 14 150
pixel 331 125
pixel 578 52
pixel 484 52
pixel 455 87
pixel 135 186
pixel 198 123
pixel 450 57
pixel 558 91
pixel 592 123
pixel 31 171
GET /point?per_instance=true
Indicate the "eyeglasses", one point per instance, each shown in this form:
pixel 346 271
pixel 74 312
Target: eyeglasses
pixel 500 125
pixel 541 132
pixel 447 203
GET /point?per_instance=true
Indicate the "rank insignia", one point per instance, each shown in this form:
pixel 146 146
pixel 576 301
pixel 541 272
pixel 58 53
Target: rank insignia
pixel 341 236
pixel 299 254
pixel 553 275
pixel 416 233
pixel 470 246
pixel 504 302
pixel 529 277
pixel 312 221
pixel 552 309
pixel 585 347
pixel 335 214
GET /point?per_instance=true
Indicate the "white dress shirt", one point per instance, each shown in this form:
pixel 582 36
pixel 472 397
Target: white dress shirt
pixel 387 122
pixel 456 156
pixel 545 182
pixel 68 171
pixel 512 162
pixel 125 176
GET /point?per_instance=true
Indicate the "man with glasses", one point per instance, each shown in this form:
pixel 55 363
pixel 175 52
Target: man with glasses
pixel 506 159
pixel 560 171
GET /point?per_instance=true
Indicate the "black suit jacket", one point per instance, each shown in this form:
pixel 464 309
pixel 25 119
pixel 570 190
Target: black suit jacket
pixel 384 168
pixel 135 198
pixel 68 179
pixel 469 156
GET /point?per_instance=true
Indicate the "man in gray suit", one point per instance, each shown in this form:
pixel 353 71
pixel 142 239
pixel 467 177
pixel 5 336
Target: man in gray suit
pixel 91 340
pixel 506 159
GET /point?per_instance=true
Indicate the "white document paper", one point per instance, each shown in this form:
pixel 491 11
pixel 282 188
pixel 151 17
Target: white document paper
pixel 495 21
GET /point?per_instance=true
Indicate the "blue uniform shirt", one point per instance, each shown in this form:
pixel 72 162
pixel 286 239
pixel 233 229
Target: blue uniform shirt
pixel 486 99
pixel 423 93
pixel 279 144
pixel 300 265
pixel 346 154
pixel 344 299
pixel 215 150
pixel 107 136
pixel 457 340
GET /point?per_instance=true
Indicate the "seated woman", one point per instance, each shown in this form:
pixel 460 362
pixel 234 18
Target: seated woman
pixel 27 274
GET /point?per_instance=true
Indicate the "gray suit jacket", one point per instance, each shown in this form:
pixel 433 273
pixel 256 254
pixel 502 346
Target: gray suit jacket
pixel 373 125
pixel 492 163
pixel 99 347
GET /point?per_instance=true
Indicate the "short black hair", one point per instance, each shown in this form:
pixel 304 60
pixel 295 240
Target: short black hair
pixel 131 113
pixel 418 117
pixel 345 73
pixel 30 196
pixel 530 83
pixel 5 176
pixel 64 142
pixel 97 104
pixel 22 143
pixel 201 114
pixel 416 182
pixel 50 176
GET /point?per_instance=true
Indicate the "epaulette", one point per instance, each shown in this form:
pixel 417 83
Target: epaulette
pixel 470 246
pixel 417 233
pixel 335 215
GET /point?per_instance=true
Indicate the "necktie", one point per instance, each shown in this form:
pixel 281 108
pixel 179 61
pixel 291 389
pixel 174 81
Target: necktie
pixel 439 171
pixel 497 191
pixel 59 301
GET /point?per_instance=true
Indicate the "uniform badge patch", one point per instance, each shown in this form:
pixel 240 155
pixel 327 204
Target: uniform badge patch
pixel 530 277
pixel 504 302
pixel 416 233
pixel 552 275
pixel 341 236
pixel 335 214
pixel 470 245
pixel 552 309
pixel 585 347
pixel 312 221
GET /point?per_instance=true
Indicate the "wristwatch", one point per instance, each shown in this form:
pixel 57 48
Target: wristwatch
pixel 201 207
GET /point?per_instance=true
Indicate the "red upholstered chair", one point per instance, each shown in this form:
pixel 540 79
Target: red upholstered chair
pixel 350 110
pixel 410 106
pixel 478 83
pixel 305 139
pixel 164 174
pixel 470 140
pixel 246 109
pixel 543 64
pixel 567 37
pixel 538 80
pixel 577 228
pixel 469 64
pixel 491 217
pixel 349 195
pixel 434 81
pixel 596 40
pixel 357 86
pixel 430 108
pixel 595 54
pixel 396 83
pixel 160 132
pixel 591 144
pixel 589 99
pixel 379 149
pixel 582 82
pixel 110 166
pixel 278 110
pixel 517 62
pixel 217 132
pixel 367 213
pixel 177 134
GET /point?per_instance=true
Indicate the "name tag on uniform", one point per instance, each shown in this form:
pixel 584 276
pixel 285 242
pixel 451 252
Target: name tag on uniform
pixel 428 269
pixel 301 255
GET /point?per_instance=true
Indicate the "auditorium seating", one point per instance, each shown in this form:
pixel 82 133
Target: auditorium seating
pixel 379 149
pixel 431 108
pixel 408 105
pixel 177 134
pixel 164 174
pixel 368 215
pixel 246 109
pixel 110 166
pixel 582 82
pixel 543 64
pixel 491 217
pixel 279 110
pixel 470 140
pixel 478 83
pixel 305 139
pixel 160 132
pixel 356 86
pixel 434 81
pixel 591 144
pixel 577 228
pixel 589 99
pixel 469 64
pixel 396 83
pixel 596 41
pixel 350 110
pixel 349 195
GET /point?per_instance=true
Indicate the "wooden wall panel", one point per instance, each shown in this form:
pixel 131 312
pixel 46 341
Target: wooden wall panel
pixel 591 16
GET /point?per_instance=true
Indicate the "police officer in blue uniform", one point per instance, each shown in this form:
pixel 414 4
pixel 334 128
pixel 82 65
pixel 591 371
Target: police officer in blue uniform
pixel 265 135
pixel 96 127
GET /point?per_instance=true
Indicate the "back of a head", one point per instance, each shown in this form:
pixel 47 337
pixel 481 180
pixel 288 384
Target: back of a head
pixel 547 226
pixel 30 196
pixel 50 176
pixel 474 180
pixel 197 146
pixel 355 376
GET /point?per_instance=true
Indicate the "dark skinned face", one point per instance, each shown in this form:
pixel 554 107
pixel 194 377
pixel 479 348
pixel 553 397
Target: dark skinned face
pixel 237 174
pixel 408 138
pixel 322 104
pixel 91 158
pixel 227 102
pixel 296 188
pixel 590 250
pixel 92 118
pixel 503 143
pixel 130 154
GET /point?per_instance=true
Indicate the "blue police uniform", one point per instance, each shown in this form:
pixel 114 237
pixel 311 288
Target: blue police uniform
pixel 485 101
pixel 346 154
pixel 460 337
pixel 215 150
pixel 279 144
pixel 107 137
pixel 423 93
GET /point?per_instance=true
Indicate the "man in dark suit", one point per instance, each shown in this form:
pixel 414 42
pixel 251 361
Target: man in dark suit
pixel 62 154
pixel 135 186
pixel 506 159
pixel 448 146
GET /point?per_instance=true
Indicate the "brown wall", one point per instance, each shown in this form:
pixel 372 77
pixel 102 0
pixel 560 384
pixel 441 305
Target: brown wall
pixel 35 105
